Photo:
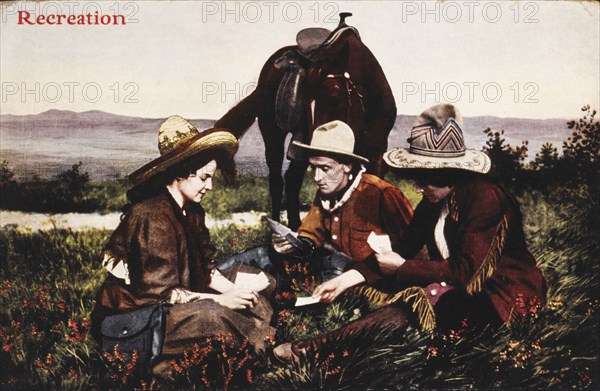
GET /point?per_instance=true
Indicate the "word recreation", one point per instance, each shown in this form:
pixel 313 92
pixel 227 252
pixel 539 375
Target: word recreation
pixel 95 18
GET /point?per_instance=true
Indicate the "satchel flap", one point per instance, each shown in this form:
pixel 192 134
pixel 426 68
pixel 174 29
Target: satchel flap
pixel 131 323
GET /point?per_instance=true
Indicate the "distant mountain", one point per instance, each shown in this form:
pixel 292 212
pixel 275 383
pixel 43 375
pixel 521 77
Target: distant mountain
pixel 113 145
pixel 536 131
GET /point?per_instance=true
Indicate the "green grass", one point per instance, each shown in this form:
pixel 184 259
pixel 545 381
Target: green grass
pixel 248 193
pixel 48 280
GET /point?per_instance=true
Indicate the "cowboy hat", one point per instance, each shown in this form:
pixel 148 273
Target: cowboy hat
pixel 178 140
pixel 333 138
pixel 437 141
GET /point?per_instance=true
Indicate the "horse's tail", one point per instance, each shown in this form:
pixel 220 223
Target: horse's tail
pixel 241 116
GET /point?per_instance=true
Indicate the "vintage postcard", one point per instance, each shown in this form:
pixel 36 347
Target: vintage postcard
pixel 95 91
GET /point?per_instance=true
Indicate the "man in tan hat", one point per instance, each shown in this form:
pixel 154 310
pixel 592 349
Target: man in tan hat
pixel 348 207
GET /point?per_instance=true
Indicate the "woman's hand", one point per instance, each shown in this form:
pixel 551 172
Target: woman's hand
pixel 237 298
pixel 389 262
pixel 330 290
pixel 182 296
pixel 281 244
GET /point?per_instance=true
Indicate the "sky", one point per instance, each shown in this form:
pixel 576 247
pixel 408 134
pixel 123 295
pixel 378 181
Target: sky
pixel 529 59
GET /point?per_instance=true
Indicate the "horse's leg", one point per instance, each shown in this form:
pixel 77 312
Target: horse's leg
pixel 274 139
pixel 294 176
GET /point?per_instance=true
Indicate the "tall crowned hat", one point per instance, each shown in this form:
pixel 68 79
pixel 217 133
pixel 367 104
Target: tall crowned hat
pixel 334 138
pixel 178 140
pixel 437 141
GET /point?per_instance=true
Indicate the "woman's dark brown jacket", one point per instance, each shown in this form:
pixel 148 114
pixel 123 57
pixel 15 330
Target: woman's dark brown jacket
pixel 155 240
pixel 167 249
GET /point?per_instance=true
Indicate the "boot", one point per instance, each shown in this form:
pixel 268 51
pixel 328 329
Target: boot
pixel 393 316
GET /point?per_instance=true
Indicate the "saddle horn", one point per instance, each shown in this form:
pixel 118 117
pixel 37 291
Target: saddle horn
pixel 343 16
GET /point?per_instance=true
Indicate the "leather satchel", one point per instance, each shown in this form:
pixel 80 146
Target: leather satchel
pixel 141 330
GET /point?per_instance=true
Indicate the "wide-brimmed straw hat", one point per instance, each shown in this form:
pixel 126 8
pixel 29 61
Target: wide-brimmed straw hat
pixel 437 141
pixel 178 140
pixel 333 138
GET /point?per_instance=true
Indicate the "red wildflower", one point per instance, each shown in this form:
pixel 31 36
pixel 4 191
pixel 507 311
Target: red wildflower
pixel 6 285
pixel 35 330
pixel 270 340
pixel 74 374
pixel 45 365
pixel 74 334
pixel 62 306
pixel 300 326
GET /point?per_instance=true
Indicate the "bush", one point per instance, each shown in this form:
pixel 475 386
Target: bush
pixel 507 161
pixel 581 152
pixel 71 191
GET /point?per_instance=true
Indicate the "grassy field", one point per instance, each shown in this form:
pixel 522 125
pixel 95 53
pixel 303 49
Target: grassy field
pixel 48 280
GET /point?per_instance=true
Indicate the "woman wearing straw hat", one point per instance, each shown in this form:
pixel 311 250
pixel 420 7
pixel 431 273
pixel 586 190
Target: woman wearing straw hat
pixel 161 251
pixel 479 266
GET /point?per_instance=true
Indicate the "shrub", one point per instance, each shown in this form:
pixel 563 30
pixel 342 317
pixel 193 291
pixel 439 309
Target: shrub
pixel 507 161
pixel 8 186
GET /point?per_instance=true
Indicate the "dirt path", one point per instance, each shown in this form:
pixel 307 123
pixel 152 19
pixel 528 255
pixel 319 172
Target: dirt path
pixel 82 221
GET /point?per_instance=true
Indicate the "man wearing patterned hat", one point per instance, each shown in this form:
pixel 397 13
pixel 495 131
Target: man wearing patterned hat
pixel 479 266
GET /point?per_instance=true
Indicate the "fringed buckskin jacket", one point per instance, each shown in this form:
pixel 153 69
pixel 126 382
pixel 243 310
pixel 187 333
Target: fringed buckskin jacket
pixel 373 205
pixel 486 243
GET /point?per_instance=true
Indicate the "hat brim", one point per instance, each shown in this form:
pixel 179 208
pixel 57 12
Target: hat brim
pixel 331 151
pixel 210 139
pixel 472 160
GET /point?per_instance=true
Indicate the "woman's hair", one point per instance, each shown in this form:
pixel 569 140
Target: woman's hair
pixel 439 177
pixel 181 170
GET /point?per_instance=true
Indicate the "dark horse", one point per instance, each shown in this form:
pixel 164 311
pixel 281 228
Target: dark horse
pixel 326 76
